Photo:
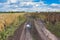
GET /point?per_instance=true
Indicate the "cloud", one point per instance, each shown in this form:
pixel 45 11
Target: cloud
pixel 16 5
pixel 54 4
pixel 13 1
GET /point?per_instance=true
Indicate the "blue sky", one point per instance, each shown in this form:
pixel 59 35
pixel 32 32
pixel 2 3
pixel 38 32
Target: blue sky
pixel 45 1
pixel 30 5
pixel 51 1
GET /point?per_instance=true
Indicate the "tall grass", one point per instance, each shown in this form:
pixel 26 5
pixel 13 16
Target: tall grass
pixel 10 28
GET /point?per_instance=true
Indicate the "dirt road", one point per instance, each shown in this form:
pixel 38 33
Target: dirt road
pixel 33 32
pixel 26 33
pixel 44 33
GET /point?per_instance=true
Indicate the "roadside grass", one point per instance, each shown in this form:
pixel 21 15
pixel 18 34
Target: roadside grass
pixel 55 29
pixel 9 30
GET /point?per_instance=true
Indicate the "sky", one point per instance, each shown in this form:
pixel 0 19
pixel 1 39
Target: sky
pixel 30 5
